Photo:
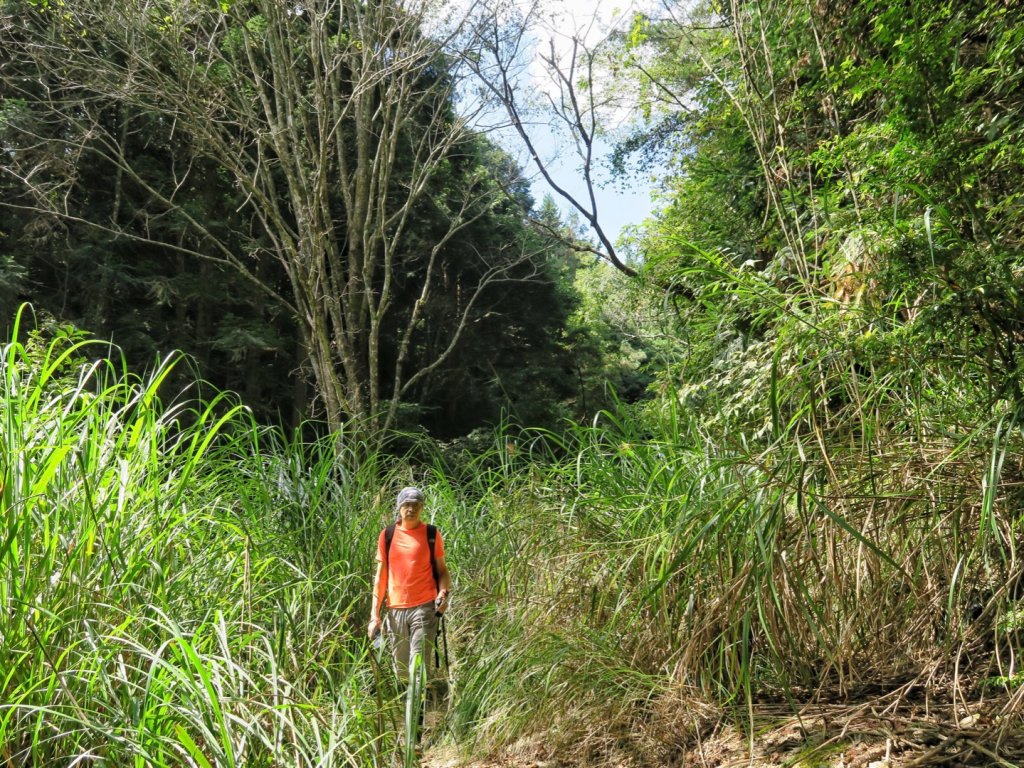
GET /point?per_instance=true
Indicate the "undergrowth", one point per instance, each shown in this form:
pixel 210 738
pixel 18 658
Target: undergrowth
pixel 182 586
pixel 645 576
pixel 178 585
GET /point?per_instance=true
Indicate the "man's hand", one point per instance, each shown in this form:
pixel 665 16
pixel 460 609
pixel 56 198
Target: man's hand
pixel 441 603
pixel 374 628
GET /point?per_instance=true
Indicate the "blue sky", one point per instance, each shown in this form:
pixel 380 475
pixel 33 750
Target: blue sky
pixel 619 202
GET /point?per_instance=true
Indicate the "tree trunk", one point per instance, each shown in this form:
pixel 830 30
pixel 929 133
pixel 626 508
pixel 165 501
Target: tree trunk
pixel 334 118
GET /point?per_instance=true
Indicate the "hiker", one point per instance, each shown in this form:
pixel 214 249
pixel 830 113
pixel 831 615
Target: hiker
pixel 416 594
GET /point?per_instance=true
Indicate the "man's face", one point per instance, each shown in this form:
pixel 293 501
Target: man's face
pixel 410 513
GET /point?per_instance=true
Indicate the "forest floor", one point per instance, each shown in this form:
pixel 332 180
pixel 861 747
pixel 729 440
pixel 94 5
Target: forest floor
pixel 872 733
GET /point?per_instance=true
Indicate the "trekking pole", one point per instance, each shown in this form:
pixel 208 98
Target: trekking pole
pixel 444 639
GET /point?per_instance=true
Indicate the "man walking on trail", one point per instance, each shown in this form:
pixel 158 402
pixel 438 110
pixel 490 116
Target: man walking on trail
pixel 415 581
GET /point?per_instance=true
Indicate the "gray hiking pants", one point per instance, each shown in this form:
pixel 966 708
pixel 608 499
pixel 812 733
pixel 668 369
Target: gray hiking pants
pixel 411 631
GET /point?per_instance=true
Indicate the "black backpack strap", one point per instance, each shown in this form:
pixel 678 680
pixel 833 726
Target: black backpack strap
pixel 389 534
pixel 431 542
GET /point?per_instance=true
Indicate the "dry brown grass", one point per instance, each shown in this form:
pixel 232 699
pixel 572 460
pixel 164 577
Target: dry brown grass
pixel 899 730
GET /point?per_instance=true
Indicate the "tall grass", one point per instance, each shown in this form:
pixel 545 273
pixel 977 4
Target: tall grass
pixel 180 586
pixel 177 586
pixel 642 573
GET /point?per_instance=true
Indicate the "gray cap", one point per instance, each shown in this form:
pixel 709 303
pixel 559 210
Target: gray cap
pixel 407 495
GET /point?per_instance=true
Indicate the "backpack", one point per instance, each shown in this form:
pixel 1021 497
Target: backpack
pixel 389 534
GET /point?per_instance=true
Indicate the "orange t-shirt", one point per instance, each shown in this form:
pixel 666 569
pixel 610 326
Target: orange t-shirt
pixel 410 579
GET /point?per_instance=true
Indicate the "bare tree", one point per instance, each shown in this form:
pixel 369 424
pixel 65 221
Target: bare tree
pixel 333 117
pixel 505 39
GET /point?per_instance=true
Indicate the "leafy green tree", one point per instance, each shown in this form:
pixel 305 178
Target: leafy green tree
pixel 511 362
pixel 333 123
pixel 840 181
pixel 115 266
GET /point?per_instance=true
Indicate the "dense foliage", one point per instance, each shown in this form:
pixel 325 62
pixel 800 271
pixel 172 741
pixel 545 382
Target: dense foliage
pixel 818 501
pixel 844 182
pixel 162 598
pixel 331 242
pixel 825 500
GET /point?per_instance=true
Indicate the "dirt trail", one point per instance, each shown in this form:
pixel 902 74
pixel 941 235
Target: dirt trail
pixel 865 735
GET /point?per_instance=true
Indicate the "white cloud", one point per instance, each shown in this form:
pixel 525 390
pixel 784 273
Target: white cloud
pixel 590 20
